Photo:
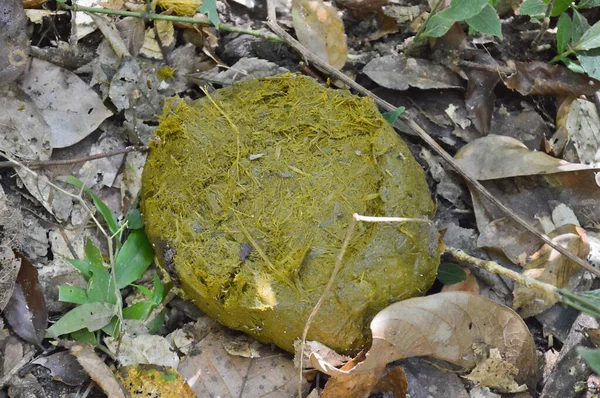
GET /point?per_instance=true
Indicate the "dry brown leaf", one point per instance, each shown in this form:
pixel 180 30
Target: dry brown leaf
pixel 319 28
pixel 498 156
pixel 549 266
pixel 556 144
pixel 444 326
pixel 212 371
pixel 97 369
pixel 539 78
pixel 480 97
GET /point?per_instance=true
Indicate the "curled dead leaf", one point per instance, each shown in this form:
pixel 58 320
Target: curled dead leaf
pixel 539 78
pixel 444 326
pixel 549 266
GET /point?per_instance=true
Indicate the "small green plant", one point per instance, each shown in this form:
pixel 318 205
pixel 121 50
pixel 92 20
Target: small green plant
pixel 479 15
pixel 577 44
pixel 99 306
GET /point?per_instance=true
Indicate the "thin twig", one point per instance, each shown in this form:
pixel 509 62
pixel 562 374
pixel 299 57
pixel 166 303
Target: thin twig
pixel 336 269
pixel 545 25
pixel 272 23
pixel 36 164
pixel 151 16
pixel 496 268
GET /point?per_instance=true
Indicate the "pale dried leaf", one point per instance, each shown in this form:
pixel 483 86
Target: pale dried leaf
pixel 320 29
pixel 497 156
pixel 211 371
pixel 9 268
pixel 549 266
pixel 111 34
pixel 98 370
pixel 83 24
pixel 583 128
pixel 166 34
pixel 324 352
pixel 144 349
pixel 496 373
pixel 444 326
pixel 70 107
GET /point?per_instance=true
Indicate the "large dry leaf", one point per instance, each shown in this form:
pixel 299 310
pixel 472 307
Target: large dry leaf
pixel 320 29
pixel 531 184
pixel 398 72
pixel 211 371
pixel 26 310
pixel 70 107
pixel 539 78
pixel 549 266
pixel 447 326
pixel 498 156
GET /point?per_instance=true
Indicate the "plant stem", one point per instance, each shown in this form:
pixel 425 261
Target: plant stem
pixel 151 16
pixel 544 26
pixel 417 38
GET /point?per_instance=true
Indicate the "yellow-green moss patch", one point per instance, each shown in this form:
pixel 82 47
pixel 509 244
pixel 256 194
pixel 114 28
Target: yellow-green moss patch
pixel 248 195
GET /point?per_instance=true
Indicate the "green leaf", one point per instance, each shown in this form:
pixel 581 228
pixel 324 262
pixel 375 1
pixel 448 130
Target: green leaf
pixel 209 7
pixel 459 10
pixel 588 3
pixel 138 311
pixel 109 217
pixel 564 33
pixel 101 286
pixel 533 8
pixel 93 316
pixel 72 294
pixel 593 294
pixel 580 26
pixel 155 324
pixel 590 39
pixel 591 356
pixel 559 7
pixel 590 63
pixel 133 259
pixel 450 273
pixel 145 291
pixel 92 254
pixel 85 336
pixel 112 329
pixel 486 22
pixel 392 116
pixel 573 66
pixel 134 219
pixel 159 290
pixel 82 266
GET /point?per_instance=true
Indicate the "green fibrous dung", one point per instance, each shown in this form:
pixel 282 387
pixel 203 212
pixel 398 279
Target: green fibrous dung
pixel 248 194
